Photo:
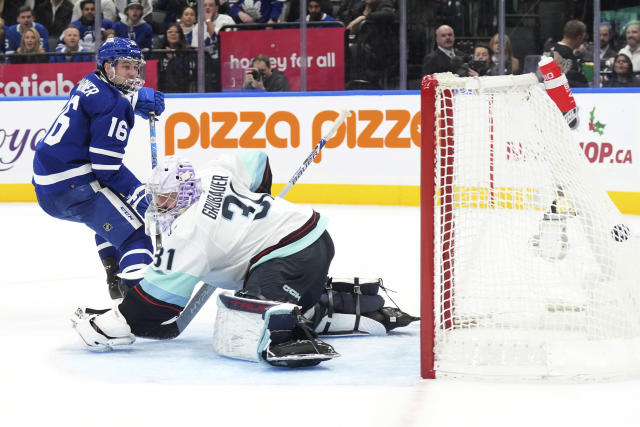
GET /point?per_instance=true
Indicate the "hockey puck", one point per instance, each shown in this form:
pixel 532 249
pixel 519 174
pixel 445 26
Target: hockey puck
pixel 620 232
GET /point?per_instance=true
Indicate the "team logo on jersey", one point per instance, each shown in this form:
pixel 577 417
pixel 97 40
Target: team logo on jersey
pixel 107 226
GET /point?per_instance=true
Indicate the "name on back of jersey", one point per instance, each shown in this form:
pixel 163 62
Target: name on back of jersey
pixel 87 87
pixel 214 196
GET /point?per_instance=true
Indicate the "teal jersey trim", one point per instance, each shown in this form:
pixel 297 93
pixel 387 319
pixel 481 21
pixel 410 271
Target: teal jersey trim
pixel 174 288
pixel 256 163
pixel 298 245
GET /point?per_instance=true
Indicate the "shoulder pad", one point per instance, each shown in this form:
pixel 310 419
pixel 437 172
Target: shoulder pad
pixel 95 94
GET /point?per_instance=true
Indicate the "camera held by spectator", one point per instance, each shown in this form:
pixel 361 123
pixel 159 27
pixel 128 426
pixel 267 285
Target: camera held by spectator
pixel 262 77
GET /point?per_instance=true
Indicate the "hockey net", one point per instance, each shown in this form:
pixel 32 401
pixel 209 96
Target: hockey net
pixel 528 268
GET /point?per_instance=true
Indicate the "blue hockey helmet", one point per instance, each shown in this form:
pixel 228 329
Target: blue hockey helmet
pixel 131 75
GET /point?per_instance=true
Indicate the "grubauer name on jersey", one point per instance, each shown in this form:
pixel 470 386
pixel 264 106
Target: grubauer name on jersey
pixel 87 141
pixel 227 233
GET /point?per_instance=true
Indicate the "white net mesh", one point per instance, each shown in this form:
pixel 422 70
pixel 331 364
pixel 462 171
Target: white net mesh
pixel 535 273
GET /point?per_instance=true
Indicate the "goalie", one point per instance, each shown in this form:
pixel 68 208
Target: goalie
pixel 223 227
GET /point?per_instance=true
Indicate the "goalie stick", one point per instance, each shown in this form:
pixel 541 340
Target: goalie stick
pixel 206 290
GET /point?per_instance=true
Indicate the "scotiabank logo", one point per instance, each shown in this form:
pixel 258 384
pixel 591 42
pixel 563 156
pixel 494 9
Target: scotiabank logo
pixel 33 85
pixel 282 129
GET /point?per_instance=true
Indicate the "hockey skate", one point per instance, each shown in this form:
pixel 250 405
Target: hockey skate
pixel 117 289
pixel 391 317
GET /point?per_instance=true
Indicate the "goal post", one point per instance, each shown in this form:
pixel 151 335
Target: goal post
pixel 528 269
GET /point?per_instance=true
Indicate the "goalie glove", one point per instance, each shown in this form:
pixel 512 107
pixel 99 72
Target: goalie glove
pixel 101 331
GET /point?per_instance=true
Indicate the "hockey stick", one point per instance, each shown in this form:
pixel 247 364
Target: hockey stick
pixel 334 128
pixel 206 290
pixel 154 159
pixel 152 139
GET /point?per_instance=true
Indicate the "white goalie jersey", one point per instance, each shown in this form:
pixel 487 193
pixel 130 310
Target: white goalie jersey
pixel 229 231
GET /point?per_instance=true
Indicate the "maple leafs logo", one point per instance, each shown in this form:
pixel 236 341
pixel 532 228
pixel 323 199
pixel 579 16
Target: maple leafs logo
pixel 252 8
pixel 597 127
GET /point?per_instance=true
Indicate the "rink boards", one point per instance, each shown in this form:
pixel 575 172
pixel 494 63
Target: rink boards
pixel 374 158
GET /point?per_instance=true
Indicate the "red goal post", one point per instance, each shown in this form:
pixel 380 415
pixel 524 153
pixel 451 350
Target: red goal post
pixel 527 268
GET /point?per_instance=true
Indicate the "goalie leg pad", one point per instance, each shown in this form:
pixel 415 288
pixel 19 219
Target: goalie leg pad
pixel 341 310
pixel 102 331
pixel 265 331
pixel 353 307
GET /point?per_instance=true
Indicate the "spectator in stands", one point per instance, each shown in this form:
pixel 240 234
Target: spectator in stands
pixel 133 27
pixel 108 33
pixel 339 8
pixel 439 61
pixel 480 64
pixel 86 24
pixel 213 22
pixel 13 35
pixel 2 32
pixel 262 77
pixel 373 41
pixel 606 52
pixel 176 71
pixel 30 49
pixel 632 49
pixel 293 12
pixel 622 74
pixel 9 10
pixel 377 11
pixel 251 11
pixel 315 13
pixel 147 9
pixel 573 33
pixel 511 63
pixel 55 15
pixel 187 21
pixel 563 66
pixel 107 10
pixel 71 38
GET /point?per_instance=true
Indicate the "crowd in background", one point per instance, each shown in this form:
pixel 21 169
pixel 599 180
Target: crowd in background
pixel 37 31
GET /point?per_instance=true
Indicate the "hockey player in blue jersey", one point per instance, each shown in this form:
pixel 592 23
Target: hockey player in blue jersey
pixel 78 173
pixel 222 226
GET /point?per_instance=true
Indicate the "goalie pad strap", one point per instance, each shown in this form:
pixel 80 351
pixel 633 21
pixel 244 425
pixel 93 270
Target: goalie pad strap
pixel 358 290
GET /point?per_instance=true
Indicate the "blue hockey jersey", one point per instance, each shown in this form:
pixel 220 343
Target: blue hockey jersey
pixel 13 37
pixel 86 33
pixel 142 33
pixel 87 141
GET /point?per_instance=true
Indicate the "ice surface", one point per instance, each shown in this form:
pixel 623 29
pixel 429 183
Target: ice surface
pixel 49 267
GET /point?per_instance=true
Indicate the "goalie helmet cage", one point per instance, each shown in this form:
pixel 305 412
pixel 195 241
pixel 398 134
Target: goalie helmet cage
pixel 528 270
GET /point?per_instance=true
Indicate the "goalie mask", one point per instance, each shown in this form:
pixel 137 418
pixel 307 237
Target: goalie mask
pixel 171 189
pixel 120 62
